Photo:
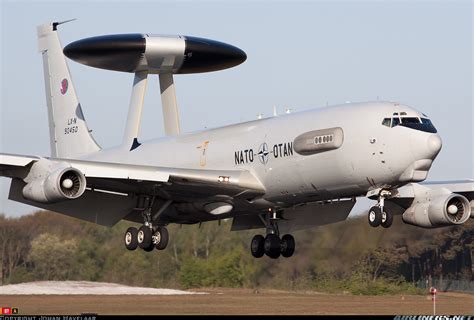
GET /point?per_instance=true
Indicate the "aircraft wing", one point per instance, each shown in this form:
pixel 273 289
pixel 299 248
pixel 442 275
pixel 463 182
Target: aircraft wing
pixel 464 187
pixel 15 166
pixel 126 178
pixel 170 183
pixel 406 194
pixel 127 181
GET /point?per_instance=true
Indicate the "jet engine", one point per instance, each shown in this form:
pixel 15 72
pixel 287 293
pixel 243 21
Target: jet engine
pixel 437 211
pixel 472 209
pixel 62 184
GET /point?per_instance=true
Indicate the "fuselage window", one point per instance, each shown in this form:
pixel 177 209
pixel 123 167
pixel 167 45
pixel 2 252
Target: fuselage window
pixel 386 122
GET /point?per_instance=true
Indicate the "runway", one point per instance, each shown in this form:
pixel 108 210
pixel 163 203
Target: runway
pixel 240 301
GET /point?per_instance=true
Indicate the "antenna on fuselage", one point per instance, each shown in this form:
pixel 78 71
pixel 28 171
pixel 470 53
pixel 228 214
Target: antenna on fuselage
pixel 144 54
pixel 56 24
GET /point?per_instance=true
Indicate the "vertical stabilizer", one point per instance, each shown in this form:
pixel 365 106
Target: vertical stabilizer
pixel 69 134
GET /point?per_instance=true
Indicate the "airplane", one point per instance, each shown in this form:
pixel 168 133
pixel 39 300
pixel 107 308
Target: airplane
pixel 280 174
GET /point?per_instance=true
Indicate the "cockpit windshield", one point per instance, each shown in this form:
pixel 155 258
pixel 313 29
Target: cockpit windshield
pixel 421 124
pixel 410 120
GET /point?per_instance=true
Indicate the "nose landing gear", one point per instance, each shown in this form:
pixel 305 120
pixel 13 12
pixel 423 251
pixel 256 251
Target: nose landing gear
pixel 272 245
pixel 378 216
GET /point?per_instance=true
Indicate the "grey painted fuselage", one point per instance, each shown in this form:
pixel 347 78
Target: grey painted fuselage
pixel 371 155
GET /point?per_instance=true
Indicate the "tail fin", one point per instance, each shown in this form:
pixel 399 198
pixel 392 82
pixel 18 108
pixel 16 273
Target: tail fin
pixel 68 130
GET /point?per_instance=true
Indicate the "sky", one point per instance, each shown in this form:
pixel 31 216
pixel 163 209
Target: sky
pixel 301 55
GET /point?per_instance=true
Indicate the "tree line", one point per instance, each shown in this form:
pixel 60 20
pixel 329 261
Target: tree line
pixel 348 256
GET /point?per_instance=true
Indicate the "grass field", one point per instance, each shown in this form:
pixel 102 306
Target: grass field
pixel 241 301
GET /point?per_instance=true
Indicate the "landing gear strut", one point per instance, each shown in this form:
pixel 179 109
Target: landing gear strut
pixel 148 236
pixel 272 245
pixel 378 216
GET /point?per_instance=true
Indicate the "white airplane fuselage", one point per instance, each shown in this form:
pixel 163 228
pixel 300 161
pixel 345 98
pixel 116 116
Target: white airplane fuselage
pixel 280 174
pixel 371 155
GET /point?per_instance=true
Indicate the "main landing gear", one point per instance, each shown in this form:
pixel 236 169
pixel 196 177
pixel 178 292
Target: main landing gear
pixel 378 216
pixel 148 236
pixel 272 245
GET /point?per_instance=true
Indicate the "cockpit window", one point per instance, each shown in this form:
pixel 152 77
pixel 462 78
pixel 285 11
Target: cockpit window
pixel 421 124
pixel 410 120
pixel 428 125
pixel 426 121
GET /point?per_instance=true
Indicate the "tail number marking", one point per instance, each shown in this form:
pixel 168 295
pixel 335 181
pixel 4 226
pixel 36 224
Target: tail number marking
pixel 71 126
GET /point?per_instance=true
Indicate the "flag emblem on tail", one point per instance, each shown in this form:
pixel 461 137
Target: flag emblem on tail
pixel 64 85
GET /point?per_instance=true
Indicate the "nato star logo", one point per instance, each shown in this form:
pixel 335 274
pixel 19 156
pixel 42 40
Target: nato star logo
pixel 263 153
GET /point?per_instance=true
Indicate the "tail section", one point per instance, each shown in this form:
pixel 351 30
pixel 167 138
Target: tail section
pixel 69 134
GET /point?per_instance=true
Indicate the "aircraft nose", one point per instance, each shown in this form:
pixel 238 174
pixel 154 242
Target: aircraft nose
pixel 425 148
pixel 434 145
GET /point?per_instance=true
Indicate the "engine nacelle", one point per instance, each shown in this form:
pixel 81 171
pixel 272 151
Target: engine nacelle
pixel 440 210
pixel 472 209
pixel 62 184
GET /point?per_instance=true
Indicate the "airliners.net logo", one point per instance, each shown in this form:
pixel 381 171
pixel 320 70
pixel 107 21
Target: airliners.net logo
pixel 434 318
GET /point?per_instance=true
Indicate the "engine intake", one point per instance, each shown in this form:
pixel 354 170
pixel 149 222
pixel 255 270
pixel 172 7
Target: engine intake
pixel 441 210
pixel 60 185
